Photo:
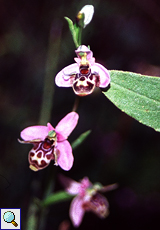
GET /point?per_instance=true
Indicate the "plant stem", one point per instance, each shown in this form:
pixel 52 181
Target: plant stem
pixel 76 103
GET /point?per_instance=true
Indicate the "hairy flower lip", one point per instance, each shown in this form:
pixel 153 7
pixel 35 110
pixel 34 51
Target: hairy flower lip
pixel 48 140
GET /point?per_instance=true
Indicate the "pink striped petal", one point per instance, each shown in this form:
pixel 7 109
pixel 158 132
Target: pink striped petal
pixel 34 132
pixel 103 73
pixel 65 157
pixel 66 126
pixel 63 78
pixel 76 211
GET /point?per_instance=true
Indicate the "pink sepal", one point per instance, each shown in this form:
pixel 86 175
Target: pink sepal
pixel 34 132
pixel 76 211
pixel 65 158
pixel 66 126
pixel 103 73
pixel 50 127
pixel 71 186
pixel 63 78
pixel 85 183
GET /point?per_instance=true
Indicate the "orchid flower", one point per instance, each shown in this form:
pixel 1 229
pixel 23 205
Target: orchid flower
pixel 50 143
pixel 84 75
pixel 87 198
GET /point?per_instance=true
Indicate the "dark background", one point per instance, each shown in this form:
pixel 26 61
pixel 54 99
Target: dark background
pixel 123 35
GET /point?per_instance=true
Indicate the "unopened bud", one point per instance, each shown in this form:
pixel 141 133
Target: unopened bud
pixel 85 15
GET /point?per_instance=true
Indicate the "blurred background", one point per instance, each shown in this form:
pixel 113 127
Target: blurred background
pixel 35 43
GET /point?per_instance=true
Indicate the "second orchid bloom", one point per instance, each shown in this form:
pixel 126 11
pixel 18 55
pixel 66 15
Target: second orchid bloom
pixel 87 198
pixel 51 143
pixel 84 75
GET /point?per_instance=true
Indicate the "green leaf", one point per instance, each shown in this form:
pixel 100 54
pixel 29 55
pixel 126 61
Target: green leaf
pixel 80 139
pixel 55 198
pixel 73 31
pixel 137 95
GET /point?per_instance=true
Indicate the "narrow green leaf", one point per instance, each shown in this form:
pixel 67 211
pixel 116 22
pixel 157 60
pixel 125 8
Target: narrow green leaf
pixel 55 198
pixel 73 31
pixel 137 95
pixel 80 139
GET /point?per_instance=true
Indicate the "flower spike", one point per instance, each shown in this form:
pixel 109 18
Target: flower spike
pixel 84 75
pixel 50 143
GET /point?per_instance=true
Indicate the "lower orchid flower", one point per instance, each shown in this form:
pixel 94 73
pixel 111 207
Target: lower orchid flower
pixel 87 198
pixel 84 75
pixel 50 143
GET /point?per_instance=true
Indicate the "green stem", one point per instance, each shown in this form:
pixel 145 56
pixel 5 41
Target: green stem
pixel 76 103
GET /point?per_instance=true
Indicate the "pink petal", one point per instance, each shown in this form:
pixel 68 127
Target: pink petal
pixel 63 77
pixel 103 73
pixel 50 127
pixel 65 158
pixel 34 132
pixel 76 211
pixel 71 186
pixel 66 126
pixel 85 183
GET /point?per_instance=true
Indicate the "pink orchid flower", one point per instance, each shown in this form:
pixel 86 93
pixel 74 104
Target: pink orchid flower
pixel 50 143
pixel 87 198
pixel 84 75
